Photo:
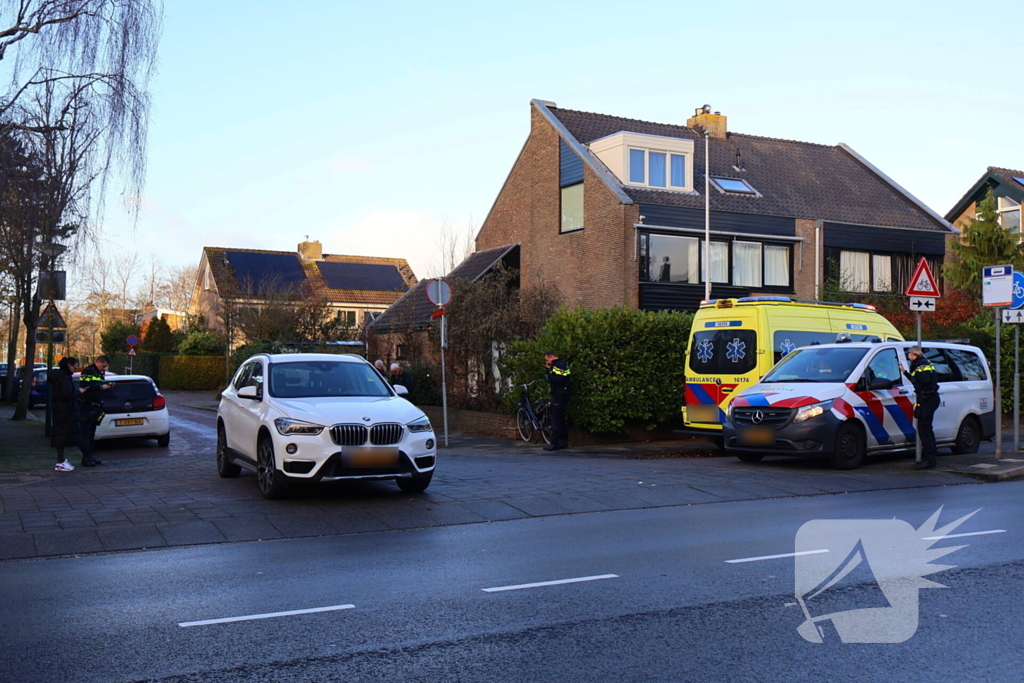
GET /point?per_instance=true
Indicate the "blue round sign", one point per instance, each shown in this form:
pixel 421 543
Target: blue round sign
pixel 1018 290
pixel 133 340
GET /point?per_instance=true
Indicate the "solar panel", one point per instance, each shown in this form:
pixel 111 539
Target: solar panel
pixel 1019 180
pixel 377 276
pixel 254 270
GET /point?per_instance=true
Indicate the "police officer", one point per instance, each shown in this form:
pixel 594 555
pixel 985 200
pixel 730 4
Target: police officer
pixel 92 381
pixel 926 386
pixel 561 391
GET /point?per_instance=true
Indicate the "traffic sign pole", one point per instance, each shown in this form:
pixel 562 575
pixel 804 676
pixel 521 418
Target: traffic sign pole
pixel 999 388
pixel 1016 389
pixel 917 432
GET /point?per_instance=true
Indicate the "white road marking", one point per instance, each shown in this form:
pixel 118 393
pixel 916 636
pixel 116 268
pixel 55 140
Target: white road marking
pixel 269 615
pixel 970 533
pixel 776 557
pixel 549 583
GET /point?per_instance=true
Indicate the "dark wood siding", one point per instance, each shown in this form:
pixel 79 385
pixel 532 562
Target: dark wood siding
pixel 659 296
pixel 679 217
pixel 570 166
pixel 866 238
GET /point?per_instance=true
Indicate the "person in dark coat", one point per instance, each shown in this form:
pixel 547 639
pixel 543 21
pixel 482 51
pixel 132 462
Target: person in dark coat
pixel 561 392
pixel 65 431
pixel 93 382
pixel 926 388
pixel 401 377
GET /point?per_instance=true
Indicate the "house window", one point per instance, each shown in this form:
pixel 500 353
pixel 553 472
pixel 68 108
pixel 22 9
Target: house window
pixel 206 279
pixel 657 169
pixel 881 272
pixel 572 208
pixel 733 185
pixel 864 272
pixel 776 266
pixel 746 264
pixel 1009 214
pixel 718 254
pixel 679 259
pixel 345 318
pixel 673 259
pixel 855 271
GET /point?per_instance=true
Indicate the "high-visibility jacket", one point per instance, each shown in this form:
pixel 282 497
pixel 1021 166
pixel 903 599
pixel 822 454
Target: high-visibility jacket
pixel 558 378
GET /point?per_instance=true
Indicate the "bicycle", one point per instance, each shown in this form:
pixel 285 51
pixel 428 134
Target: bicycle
pixel 532 416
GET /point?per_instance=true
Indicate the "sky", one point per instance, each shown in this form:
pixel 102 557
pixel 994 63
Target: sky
pixel 368 126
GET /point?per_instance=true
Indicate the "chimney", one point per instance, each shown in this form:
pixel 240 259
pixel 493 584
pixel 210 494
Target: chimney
pixel 311 251
pixel 714 124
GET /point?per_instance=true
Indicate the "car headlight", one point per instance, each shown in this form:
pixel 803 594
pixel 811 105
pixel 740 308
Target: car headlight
pixel 420 425
pixel 286 426
pixel 813 410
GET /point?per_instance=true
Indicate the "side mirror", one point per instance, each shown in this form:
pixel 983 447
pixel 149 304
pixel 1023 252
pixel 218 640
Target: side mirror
pixel 248 392
pixel 400 390
pixel 880 385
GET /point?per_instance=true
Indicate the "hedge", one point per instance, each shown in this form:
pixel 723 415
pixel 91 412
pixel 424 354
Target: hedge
pixel 192 373
pixel 143 364
pixel 628 366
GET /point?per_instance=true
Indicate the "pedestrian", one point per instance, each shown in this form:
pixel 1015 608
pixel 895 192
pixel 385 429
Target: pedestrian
pixel 92 381
pixel 926 388
pixel 561 392
pixel 381 368
pixel 65 429
pixel 400 377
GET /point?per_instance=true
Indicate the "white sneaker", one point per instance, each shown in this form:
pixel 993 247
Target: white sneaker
pixel 64 467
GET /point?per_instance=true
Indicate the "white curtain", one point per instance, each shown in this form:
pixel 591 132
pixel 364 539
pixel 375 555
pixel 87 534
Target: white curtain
pixel 854 268
pixel 746 264
pixel 776 266
pixel 881 273
pixel 719 256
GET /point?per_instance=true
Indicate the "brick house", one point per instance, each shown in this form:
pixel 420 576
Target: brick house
pixel 1006 186
pixel 356 288
pixel 611 210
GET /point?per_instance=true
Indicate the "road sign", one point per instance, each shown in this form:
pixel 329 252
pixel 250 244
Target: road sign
pixel 51 317
pixel 437 314
pixel 922 303
pixel 923 282
pixel 439 292
pixel 132 352
pixel 133 340
pixel 997 285
pixel 1018 290
pixel 44 336
pixel 1013 316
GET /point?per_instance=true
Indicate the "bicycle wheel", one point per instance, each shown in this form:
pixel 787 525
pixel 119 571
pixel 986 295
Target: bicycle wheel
pixel 525 425
pixel 544 419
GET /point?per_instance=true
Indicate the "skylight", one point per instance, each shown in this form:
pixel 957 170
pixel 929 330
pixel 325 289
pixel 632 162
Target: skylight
pixel 733 185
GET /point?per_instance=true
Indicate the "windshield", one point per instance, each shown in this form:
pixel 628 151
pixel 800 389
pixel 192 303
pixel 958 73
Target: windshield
pixel 816 365
pixel 307 379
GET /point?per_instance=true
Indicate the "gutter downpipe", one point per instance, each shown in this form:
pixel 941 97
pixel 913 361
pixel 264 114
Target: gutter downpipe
pixel 817 258
pixel 707 219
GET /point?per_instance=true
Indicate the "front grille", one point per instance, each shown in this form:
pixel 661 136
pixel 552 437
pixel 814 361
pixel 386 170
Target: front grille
pixel 385 434
pixel 770 417
pixel 349 435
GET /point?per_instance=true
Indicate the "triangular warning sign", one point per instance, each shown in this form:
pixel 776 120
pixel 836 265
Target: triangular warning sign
pixel 923 282
pixel 51 317
pixel 131 351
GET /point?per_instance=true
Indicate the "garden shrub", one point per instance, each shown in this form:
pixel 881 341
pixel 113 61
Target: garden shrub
pixel 192 373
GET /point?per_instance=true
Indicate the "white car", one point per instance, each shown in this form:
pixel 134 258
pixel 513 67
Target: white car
pixel 133 406
pixel 320 417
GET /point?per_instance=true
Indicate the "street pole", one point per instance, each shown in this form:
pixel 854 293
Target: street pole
pixel 999 387
pixel 707 218
pixel 917 432
pixel 49 364
pixel 444 383
pixel 1016 388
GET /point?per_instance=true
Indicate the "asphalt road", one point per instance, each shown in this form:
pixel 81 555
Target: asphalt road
pixel 669 607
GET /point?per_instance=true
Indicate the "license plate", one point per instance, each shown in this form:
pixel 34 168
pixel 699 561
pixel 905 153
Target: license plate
pixel 702 413
pixel 370 456
pixel 128 423
pixel 757 436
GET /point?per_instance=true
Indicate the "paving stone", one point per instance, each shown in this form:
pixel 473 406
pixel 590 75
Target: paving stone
pixel 13 546
pixel 190 532
pixel 538 505
pixel 131 537
pixel 298 525
pixel 67 542
pixel 251 528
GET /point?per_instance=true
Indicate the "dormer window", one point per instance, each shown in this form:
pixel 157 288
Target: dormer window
pixel 654 161
pixel 734 186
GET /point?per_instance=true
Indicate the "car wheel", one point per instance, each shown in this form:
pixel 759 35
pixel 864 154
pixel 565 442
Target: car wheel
pixel 848 453
pixel 164 441
pixel 968 437
pixel 225 468
pixel 415 484
pixel 750 457
pixel 270 479
pixel 524 424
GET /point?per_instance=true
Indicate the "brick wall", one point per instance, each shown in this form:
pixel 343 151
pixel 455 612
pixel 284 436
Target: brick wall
pixel 593 267
pixel 803 260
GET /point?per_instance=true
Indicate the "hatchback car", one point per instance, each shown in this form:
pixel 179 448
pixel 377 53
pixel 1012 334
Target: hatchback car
pixel 320 417
pixel 133 406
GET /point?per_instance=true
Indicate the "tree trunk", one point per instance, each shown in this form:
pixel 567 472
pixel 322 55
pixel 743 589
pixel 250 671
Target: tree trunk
pixel 25 394
pixel 12 352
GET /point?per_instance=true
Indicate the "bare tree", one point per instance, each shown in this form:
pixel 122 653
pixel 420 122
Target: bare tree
pixel 176 288
pixel 455 244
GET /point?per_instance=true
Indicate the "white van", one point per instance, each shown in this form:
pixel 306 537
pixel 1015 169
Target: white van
pixel 845 401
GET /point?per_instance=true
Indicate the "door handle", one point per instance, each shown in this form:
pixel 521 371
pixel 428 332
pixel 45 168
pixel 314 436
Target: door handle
pixel 903 392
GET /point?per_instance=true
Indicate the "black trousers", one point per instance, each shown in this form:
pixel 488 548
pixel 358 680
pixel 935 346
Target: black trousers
pixel 559 430
pixel 926 407
pixel 89 416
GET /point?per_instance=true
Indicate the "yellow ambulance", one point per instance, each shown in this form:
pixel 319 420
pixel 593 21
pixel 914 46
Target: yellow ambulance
pixel 734 342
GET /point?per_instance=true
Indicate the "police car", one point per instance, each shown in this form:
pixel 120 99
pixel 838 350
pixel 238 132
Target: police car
pixel 847 400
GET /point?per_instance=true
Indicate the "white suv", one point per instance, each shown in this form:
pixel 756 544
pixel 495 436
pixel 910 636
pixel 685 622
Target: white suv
pixel 320 417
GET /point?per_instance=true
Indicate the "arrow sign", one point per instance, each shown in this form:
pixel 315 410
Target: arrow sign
pixel 1013 316
pixel 922 303
pixel 923 282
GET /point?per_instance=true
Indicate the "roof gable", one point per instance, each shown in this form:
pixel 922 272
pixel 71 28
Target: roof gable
pixel 1002 181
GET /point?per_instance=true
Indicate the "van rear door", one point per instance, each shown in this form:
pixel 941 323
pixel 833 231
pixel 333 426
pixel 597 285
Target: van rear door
pixel 722 355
